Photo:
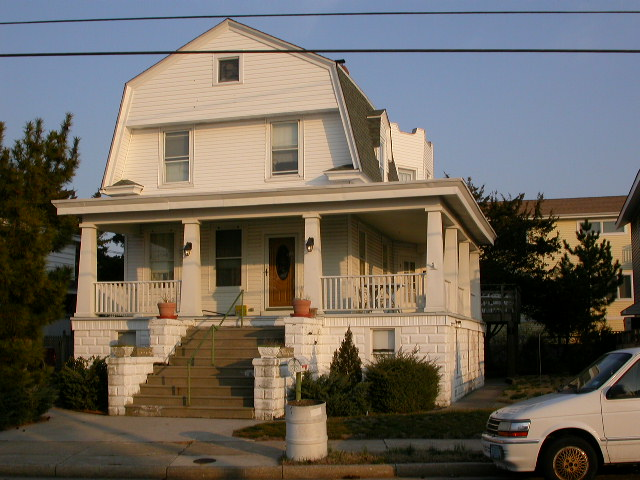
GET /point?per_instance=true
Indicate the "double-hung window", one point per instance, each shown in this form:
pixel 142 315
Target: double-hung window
pixel 177 156
pixel 285 148
pixel 228 258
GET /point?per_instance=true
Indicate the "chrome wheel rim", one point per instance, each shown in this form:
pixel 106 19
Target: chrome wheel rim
pixel 571 463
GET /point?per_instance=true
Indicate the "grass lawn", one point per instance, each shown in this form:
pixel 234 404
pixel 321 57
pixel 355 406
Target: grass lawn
pixel 397 455
pixel 435 424
pixel 447 424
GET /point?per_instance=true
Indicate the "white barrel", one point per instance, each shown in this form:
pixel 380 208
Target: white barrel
pixel 306 430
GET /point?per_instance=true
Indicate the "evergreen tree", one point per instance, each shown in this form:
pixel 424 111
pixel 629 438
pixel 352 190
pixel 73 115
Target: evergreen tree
pixel 35 171
pixel 524 249
pixel 584 283
pixel 346 360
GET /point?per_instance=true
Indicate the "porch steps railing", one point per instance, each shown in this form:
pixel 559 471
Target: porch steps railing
pixel 221 391
pixel 131 298
pixel 404 292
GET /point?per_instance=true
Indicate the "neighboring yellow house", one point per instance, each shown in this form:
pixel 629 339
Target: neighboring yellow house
pixel 602 212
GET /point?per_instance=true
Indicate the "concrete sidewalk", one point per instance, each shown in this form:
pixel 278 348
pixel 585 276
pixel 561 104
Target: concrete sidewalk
pixel 72 444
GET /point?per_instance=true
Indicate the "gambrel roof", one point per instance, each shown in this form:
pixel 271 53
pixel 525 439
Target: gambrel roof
pixel 197 102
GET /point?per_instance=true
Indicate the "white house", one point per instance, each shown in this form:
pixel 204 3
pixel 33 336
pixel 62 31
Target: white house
pixel 233 171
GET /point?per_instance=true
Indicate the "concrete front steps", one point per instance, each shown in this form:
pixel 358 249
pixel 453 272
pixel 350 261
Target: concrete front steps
pixel 224 390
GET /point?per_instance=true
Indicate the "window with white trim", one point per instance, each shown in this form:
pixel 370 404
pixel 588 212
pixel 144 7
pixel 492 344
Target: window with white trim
pixel 625 290
pixel 602 226
pixel 406 174
pixel 229 258
pixel 285 148
pixel 161 256
pixel 177 156
pixel 227 69
pixel 383 341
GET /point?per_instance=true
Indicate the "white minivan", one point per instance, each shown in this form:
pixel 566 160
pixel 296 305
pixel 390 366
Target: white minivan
pixel 593 420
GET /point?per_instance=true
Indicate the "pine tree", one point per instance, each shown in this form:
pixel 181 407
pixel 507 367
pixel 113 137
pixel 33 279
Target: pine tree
pixel 584 283
pixel 35 171
pixel 346 360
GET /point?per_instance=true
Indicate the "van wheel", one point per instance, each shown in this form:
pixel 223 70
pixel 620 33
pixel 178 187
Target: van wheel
pixel 569 458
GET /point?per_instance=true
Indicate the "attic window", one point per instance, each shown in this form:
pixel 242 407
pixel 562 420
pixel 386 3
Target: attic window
pixel 227 69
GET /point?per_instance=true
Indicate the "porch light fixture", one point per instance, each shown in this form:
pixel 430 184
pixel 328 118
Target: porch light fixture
pixel 187 249
pixel 309 244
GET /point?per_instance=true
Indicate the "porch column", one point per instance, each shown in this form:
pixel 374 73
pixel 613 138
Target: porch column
pixel 190 292
pixel 464 280
pixel 435 262
pixel 313 260
pixel 87 271
pixel 474 274
pixel 451 269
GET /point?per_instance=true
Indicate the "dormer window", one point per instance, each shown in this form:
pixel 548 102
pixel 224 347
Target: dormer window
pixel 284 148
pixel 177 158
pixel 228 69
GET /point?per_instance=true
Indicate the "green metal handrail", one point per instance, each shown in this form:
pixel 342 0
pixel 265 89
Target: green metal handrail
pixel 213 329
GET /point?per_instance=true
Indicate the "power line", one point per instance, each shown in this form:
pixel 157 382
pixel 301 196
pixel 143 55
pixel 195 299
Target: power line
pixel 326 14
pixel 328 50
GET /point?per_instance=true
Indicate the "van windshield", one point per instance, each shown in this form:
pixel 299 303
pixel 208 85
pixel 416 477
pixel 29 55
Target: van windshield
pixel 597 373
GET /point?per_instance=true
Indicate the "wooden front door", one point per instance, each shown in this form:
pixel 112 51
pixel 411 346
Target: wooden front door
pixel 282 265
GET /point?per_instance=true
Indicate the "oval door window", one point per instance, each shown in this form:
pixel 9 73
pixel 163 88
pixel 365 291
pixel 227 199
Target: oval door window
pixel 283 262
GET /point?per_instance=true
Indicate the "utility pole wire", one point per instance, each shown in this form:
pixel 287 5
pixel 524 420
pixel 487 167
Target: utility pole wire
pixel 326 14
pixel 316 51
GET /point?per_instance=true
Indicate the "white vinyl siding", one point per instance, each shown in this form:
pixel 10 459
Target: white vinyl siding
pixel 181 88
pixel 234 155
pixel 413 152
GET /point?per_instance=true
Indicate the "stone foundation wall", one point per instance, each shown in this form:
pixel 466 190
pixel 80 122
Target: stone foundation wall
pixel 125 376
pixel 95 336
pixel 455 343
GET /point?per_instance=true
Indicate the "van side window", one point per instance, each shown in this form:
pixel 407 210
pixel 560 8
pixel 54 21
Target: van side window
pixel 628 386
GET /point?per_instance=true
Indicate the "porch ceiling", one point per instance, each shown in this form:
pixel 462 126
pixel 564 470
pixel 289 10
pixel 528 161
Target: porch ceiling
pixel 403 225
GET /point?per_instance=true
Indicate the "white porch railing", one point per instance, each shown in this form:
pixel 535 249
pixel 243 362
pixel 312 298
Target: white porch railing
pixel 132 298
pixel 390 292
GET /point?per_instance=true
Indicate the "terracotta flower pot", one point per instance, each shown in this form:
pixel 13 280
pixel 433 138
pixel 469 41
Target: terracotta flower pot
pixel 167 309
pixel 301 307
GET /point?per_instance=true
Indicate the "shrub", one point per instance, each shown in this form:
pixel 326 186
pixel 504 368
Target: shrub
pixel 24 383
pixel 343 397
pixel 403 383
pixel 83 384
pixel 346 360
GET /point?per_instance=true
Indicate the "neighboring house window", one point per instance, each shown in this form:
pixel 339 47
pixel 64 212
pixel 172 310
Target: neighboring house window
pixel 228 69
pixel 383 341
pixel 284 148
pixel 625 291
pixel 406 174
pixel 228 258
pixel 602 226
pixel 177 147
pixel 161 258
pixel 362 252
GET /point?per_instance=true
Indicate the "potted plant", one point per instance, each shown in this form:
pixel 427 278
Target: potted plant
pixel 167 307
pixel 301 305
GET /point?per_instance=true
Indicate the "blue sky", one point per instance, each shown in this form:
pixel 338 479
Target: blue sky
pixel 564 125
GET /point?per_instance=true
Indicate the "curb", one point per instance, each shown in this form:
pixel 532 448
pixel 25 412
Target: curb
pixel 283 472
